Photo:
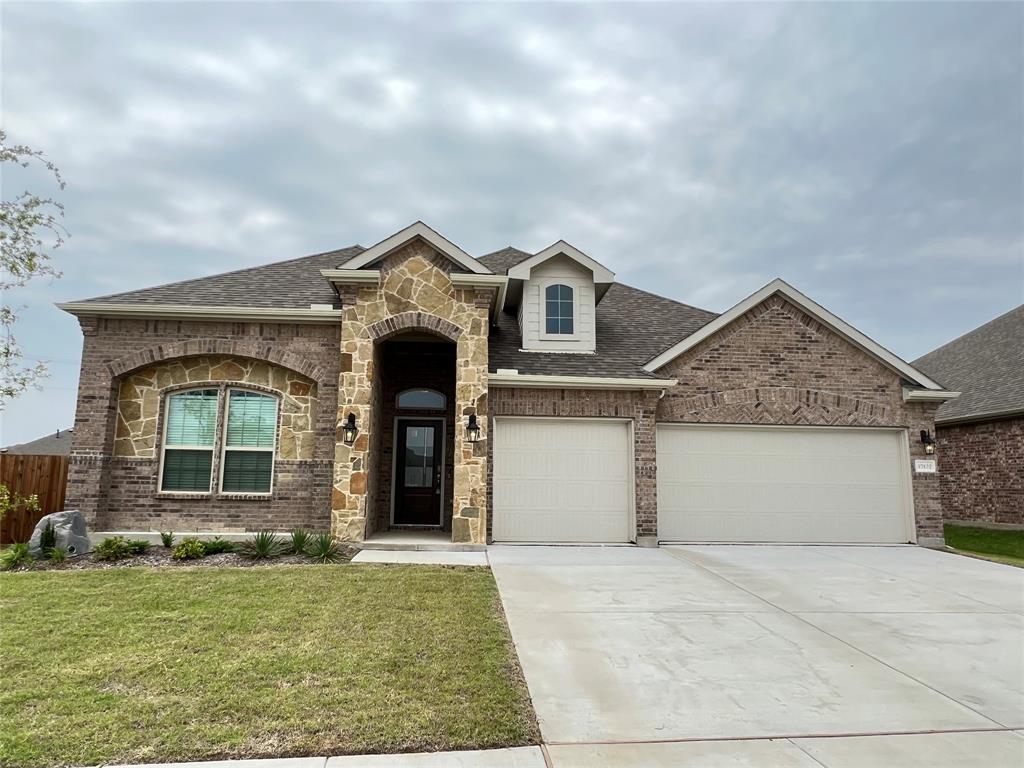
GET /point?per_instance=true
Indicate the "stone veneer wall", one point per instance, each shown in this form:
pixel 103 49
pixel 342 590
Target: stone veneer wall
pixel 777 365
pixel 119 492
pixel 982 467
pixel 415 293
pixel 638 406
pixel 140 405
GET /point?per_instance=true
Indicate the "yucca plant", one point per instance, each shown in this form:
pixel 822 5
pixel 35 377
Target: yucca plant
pixel 262 546
pixel 323 548
pixel 300 540
pixel 167 539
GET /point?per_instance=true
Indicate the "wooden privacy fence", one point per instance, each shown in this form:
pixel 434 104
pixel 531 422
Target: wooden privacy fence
pixel 44 476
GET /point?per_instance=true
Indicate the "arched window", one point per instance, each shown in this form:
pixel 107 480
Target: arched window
pixel 245 437
pixel 427 399
pixel 558 309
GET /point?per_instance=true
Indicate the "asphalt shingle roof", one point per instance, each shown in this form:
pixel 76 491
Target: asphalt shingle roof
pixel 985 365
pixel 58 444
pixel 632 325
pixel 500 262
pixel 293 284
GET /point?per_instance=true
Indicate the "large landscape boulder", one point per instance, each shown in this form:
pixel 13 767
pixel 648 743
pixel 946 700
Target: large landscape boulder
pixel 69 526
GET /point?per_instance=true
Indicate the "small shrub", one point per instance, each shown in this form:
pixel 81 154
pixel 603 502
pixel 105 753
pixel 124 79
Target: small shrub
pixel 324 548
pixel 137 546
pixel 189 549
pixel 48 537
pixel 167 539
pixel 113 548
pixel 57 554
pixel 262 546
pixel 217 545
pixel 300 541
pixel 14 556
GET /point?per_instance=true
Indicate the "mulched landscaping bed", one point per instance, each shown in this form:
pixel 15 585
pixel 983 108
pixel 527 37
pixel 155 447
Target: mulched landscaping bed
pixel 160 557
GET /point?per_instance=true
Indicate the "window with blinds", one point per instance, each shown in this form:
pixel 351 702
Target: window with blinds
pixel 248 464
pixel 189 434
pixel 193 435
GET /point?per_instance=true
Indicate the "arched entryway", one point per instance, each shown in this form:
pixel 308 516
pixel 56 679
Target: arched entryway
pixel 415 458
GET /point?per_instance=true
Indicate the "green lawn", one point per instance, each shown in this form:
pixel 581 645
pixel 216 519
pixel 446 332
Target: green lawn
pixel 143 665
pixel 1000 545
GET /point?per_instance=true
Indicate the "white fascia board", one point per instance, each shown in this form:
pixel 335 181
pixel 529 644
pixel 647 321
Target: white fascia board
pixel 815 310
pixel 193 312
pixel 602 274
pixel 420 230
pixel 352 276
pixel 575 382
pixel 928 395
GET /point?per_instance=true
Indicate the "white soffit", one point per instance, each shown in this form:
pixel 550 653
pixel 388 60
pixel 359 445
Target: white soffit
pixel 815 310
pixel 413 231
pixel 521 271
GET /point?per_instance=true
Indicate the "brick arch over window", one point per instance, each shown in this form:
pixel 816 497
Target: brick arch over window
pixel 422 321
pixel 194 347
pixel 778 405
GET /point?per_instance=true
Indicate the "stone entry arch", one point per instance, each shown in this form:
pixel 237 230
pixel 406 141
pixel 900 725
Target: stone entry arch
pixel 415 293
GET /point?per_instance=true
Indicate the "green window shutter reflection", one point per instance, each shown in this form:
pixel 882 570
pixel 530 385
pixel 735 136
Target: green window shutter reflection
pixel 252 420
pixel 247 471
pixel 192 418
pixel 187 470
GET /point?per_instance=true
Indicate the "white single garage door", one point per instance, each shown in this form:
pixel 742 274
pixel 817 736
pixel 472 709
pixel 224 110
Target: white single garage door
pixel 562 480
pixel 782 484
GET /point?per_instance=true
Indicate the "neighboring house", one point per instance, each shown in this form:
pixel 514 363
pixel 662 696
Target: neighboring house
pixel 511 397
pixel 981 434
pixel 57 444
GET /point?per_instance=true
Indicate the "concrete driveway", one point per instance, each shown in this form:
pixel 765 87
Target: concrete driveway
pixel 768 655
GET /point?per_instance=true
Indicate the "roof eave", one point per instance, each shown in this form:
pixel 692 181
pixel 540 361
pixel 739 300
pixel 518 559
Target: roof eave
pixel 200 312
pixel 545 381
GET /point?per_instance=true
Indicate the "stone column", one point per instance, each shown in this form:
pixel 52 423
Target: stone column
pixel 349 498
pixel 469 521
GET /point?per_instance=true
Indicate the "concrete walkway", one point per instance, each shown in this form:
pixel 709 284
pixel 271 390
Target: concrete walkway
pixel 738 656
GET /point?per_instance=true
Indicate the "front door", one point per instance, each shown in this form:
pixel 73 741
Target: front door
pixel 419 452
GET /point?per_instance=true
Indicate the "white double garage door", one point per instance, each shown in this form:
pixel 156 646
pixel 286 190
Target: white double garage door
pixel 571 480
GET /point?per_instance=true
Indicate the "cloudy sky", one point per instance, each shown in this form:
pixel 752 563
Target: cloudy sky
pixel 871 155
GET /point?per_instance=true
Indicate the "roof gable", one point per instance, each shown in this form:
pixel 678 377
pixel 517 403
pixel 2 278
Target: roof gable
pixel 813 309
pixel 415 231
pixel 521 271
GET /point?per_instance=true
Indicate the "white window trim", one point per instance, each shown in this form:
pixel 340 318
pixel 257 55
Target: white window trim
pixel 164 447
pixel 224 443
pixel 576 288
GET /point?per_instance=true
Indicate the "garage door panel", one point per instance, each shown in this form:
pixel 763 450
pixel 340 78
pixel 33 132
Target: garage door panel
pixel 561 480
pixel 781 484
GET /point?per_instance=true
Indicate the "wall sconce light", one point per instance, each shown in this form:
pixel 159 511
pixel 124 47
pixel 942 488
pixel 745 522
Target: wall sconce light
pixel 472 429
pixel 350 430
pixel 928 441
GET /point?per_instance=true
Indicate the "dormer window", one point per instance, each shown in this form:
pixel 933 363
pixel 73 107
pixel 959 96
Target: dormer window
pixel 559 311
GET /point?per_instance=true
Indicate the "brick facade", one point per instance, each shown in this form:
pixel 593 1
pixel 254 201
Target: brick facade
pixel 982 466
pixel 777 365
pixel 636 406
pixel 119 492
